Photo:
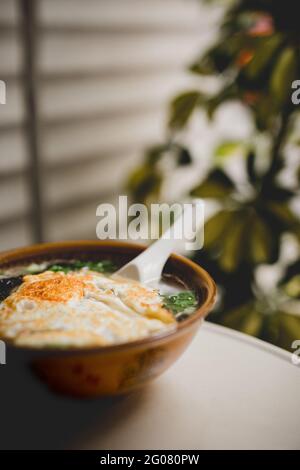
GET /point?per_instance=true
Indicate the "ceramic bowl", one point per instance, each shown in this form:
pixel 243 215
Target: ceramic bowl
pixel 111 370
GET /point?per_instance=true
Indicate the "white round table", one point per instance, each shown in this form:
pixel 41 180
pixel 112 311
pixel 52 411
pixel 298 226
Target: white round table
pixel 228 391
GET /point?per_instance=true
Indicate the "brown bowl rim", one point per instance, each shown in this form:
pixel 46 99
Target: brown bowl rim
pixel 199 314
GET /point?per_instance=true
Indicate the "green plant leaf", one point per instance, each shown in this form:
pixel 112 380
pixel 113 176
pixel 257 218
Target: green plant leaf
pixel 227 148
pixel 292 287
pixel 281 329
pixel 263 56
pixel 290 329
pixel 234 242
pixel 182 107
pixel 222 56
pixel 244 318
pixel 216 60
pixel 217 185
pixel 291 271
pixel 260 241
pixel 228 93
pixel 143 182
pixel 265 112
pixel 153 154
pixel 203 66
pixel 215 227
pixel 284 73
pixel 286 218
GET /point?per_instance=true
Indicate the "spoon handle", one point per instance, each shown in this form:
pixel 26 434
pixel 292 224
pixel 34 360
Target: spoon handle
pixel 148 266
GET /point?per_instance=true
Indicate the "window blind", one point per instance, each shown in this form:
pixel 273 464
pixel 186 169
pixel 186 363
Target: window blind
pixel 103 74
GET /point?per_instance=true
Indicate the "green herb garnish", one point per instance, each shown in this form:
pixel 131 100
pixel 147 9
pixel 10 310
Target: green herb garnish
pixel 57 268
pixel 104 266
pixel 181 304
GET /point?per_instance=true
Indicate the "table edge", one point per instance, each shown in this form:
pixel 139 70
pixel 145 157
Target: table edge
pixel 251 340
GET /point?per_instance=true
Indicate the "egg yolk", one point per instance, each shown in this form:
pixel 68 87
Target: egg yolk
pixel 57 289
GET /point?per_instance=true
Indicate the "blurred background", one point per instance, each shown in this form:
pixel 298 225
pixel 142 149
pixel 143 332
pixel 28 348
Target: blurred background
pixel 87 90
pixel 162 99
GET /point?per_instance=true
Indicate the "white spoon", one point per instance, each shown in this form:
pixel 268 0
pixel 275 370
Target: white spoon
pixel 148 266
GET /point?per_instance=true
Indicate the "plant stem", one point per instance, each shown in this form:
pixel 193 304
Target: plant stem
pixel 278 141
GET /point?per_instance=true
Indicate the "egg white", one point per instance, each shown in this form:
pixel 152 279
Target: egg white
pixel 111 311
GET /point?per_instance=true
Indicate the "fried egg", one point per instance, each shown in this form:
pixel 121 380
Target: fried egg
pixel 81 309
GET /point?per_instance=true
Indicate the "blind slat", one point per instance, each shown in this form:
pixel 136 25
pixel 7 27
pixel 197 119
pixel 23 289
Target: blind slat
pixel 13 196
pixel 88 178
pixel 10 55
pixel 117 14
pixel 61 53
pixel 13 151
pixel 78 222
pixel 107 95
pixel 89 137
pixel 13 112
pixel 9 13
pixel 16 233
